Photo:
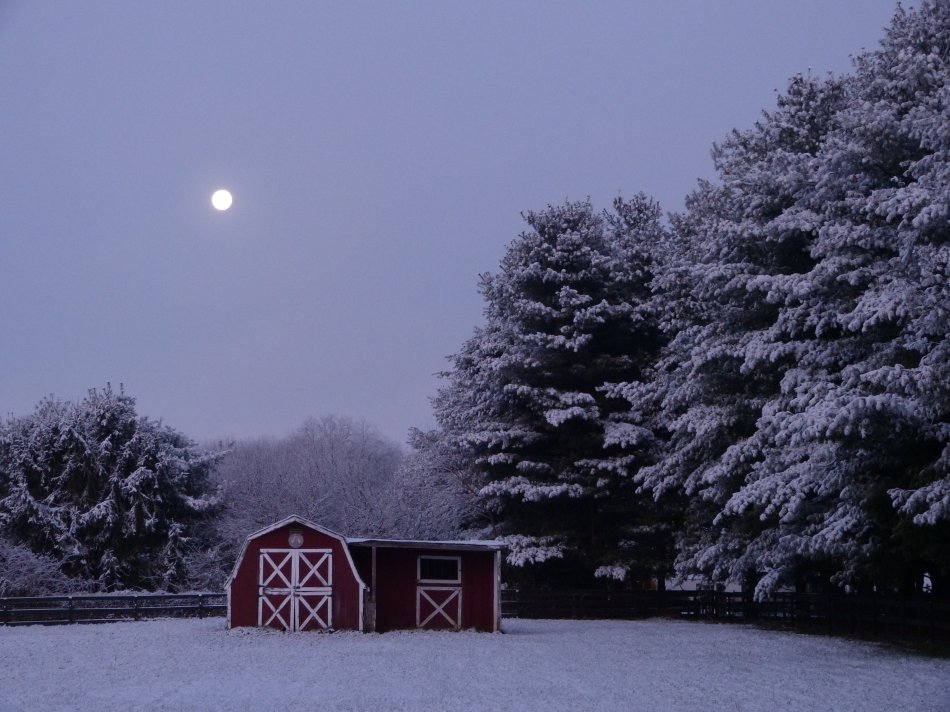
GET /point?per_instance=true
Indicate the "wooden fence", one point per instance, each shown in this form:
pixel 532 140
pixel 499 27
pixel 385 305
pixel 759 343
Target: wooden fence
pixel 49 610
pixel 920 618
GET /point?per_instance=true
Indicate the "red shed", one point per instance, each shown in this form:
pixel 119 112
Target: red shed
pixel 297 575
pixel 431 584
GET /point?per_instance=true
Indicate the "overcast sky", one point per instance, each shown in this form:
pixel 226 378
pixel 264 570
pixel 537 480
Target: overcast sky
pixel 379 154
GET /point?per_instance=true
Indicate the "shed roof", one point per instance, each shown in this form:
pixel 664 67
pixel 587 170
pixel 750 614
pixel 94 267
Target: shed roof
pixel 460 545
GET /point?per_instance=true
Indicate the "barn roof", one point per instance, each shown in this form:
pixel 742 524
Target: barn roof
pixel 369 542
pixel 294 519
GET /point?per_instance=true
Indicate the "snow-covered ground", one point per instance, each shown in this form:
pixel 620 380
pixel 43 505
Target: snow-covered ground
pixel 653 665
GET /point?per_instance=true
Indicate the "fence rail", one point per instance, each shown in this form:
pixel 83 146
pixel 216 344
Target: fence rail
pixel 51 610
pixel 919 618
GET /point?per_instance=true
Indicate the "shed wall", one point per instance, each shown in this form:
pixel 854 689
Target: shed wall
pixel 397 579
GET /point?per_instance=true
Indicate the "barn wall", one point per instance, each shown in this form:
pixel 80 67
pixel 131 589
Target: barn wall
pixel 478 589
pixel 244 586
pixel 395 589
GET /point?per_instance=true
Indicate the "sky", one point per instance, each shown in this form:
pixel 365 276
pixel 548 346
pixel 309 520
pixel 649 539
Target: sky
pixel 380 155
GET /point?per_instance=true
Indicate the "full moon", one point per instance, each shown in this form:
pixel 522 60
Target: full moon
pixel 221 199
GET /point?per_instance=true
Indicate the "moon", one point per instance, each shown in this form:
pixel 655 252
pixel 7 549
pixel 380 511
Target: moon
pixel 221 199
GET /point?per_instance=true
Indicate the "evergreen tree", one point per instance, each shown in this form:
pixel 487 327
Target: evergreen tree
pixel 810 394
pixel 725 361
pixel 528 400
pixel 113 497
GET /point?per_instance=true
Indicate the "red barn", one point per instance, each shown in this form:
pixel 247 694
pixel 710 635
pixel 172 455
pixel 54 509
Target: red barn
pixel 297 575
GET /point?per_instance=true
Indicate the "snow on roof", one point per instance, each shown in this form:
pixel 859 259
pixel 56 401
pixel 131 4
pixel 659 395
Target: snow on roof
pixel 462 544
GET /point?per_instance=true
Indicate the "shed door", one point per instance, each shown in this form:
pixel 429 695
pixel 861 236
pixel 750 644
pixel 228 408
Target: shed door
pixel 439 607
pixel 439 592
pixel 295 588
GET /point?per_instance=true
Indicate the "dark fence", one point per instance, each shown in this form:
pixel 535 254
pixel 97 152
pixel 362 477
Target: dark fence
pixel 918 619
pixel 49 610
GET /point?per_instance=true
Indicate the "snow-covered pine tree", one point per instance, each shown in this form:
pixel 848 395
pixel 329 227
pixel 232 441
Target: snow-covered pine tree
pixel 724 362
pixel 869 405
pixel 527 401
pixel 812 393
pixel 907 83
pixel 116 498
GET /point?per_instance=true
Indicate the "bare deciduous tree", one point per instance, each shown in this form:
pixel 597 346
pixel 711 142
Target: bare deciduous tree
pixel 334 470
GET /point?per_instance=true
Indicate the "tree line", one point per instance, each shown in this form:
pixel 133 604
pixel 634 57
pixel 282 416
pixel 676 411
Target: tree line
pixel 95 497
pixel 757 391
pixel 754 390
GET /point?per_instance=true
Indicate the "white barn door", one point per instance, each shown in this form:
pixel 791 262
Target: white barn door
pixel 295 589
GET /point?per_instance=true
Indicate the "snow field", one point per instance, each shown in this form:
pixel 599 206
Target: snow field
pixel 651 665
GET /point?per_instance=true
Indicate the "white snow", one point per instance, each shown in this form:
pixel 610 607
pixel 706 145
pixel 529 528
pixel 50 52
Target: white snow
pixel 653 665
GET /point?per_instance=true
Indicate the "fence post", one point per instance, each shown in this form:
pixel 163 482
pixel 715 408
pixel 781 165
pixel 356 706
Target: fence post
pixel 69 607
pixel 932 624
pixel 201 610
pixel 135 606
pixel 903 617
pixel 874 611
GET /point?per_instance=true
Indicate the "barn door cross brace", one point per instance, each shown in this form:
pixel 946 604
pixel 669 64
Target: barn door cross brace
pixel 440 607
